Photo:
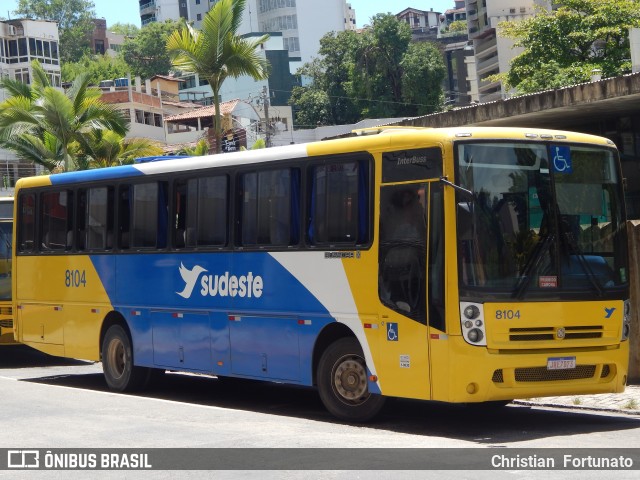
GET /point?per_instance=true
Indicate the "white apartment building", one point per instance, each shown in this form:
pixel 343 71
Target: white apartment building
pixel 161 10
pixel 21 42
pixel 493 52
pixel 301 22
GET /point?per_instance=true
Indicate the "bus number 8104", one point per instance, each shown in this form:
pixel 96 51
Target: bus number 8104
pixel 75 278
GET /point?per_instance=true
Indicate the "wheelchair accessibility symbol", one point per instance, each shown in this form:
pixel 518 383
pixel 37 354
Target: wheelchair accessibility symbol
pixel 561 159
pixel 392 332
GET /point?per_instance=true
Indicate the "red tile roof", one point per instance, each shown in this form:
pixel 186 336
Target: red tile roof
pixel 208 111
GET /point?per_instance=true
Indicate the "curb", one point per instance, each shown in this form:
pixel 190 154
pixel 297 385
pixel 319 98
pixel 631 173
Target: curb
pixel 576 407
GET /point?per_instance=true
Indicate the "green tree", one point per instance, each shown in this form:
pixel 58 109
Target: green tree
pixel 74 19
pixel 337 63
pixel 312 107
pixel 423 72
pixel 577 37
pixel 378 73
pixel 199 149
pixel 42 124
pixel 146 53
pixel 98 67
pixel 327 97
pixel 217 52
pixel 458 26
pixel 106 148
pixel 126 29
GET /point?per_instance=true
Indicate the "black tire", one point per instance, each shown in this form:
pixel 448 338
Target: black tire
pixel 155 377
pixel 343 383
pixel 117 362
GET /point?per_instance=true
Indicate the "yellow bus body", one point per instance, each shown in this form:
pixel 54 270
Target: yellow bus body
pixel 424 362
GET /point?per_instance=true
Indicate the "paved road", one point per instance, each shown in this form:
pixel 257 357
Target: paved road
pixel 55 403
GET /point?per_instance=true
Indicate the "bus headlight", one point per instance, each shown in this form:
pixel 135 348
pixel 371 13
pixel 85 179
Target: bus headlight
pixel 475 335
pixel 471 312
pixel 472 323
pixel 626 320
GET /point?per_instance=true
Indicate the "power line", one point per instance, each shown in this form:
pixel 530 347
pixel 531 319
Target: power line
pixel 368 99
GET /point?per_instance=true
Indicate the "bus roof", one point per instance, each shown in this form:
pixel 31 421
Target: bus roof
pixel 370 139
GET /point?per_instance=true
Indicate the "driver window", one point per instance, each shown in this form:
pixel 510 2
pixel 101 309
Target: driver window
pixel 403 226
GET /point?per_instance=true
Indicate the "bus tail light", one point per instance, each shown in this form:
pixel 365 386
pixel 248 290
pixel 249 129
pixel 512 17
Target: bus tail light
pixel 626 320
pixel 472 322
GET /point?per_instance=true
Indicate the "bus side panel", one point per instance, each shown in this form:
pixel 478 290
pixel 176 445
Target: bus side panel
pixel 71 303
pixel 333 282
pixel 228 314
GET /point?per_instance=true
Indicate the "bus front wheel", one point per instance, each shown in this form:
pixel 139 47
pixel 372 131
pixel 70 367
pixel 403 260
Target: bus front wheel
pixel 117 362
pixel 343 382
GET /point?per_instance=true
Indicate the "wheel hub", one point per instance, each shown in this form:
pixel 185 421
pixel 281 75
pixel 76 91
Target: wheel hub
pixel 350 380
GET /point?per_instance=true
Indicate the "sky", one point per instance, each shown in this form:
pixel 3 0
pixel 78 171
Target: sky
pixel 127 11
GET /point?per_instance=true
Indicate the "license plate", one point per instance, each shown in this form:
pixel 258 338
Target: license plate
pixel 561 363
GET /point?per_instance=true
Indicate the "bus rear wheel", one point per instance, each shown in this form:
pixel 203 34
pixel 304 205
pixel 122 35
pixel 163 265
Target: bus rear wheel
pixel 343 382
pixel 117 362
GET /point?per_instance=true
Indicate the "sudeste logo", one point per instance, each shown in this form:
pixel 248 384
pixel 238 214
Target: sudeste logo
pixel 225 285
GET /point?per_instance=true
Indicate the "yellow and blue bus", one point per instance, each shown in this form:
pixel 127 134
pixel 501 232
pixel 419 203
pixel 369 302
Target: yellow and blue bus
pixel 6 239
pixel 460 265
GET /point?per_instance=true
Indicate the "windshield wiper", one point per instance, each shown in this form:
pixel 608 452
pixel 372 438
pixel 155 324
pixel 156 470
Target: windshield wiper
pixel 458 188
pixel 532 266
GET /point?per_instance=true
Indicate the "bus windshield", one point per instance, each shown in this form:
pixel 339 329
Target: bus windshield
pixel 543 219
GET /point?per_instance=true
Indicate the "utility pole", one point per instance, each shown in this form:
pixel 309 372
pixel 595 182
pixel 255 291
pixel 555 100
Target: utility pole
pixel 265 103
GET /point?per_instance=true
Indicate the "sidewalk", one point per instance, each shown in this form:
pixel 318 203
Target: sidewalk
pixel 627 402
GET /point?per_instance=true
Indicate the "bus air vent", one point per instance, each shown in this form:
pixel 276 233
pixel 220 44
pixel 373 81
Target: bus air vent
pixel 541 374
pixel 548 333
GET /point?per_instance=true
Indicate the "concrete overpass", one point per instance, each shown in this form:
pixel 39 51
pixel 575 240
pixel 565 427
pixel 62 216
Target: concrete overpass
pixel 564 108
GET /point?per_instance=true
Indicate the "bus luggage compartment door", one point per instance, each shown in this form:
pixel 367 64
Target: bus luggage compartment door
pixel 41 323
pixel 182 340
pixel 265 347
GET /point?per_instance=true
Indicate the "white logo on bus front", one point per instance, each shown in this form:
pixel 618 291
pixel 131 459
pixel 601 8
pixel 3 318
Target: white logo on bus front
pixel 224 285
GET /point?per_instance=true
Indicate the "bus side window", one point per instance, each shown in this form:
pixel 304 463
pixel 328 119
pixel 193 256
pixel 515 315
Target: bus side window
pixel 98 215
pixel 56 208
pixel 180 212
pixel 124 216
pixel 26 225
pixel 268 217
pixel 81 228
pixel 144 215
pixel 338 203
pixel 207 217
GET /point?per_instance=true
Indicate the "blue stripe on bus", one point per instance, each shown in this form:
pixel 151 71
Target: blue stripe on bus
pixel 122 171
pixel 239 314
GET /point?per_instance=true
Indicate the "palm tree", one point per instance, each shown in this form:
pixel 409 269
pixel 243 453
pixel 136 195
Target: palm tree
pixel 199 149
pixel 216 52
pixel 106 148
pixel 40 123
